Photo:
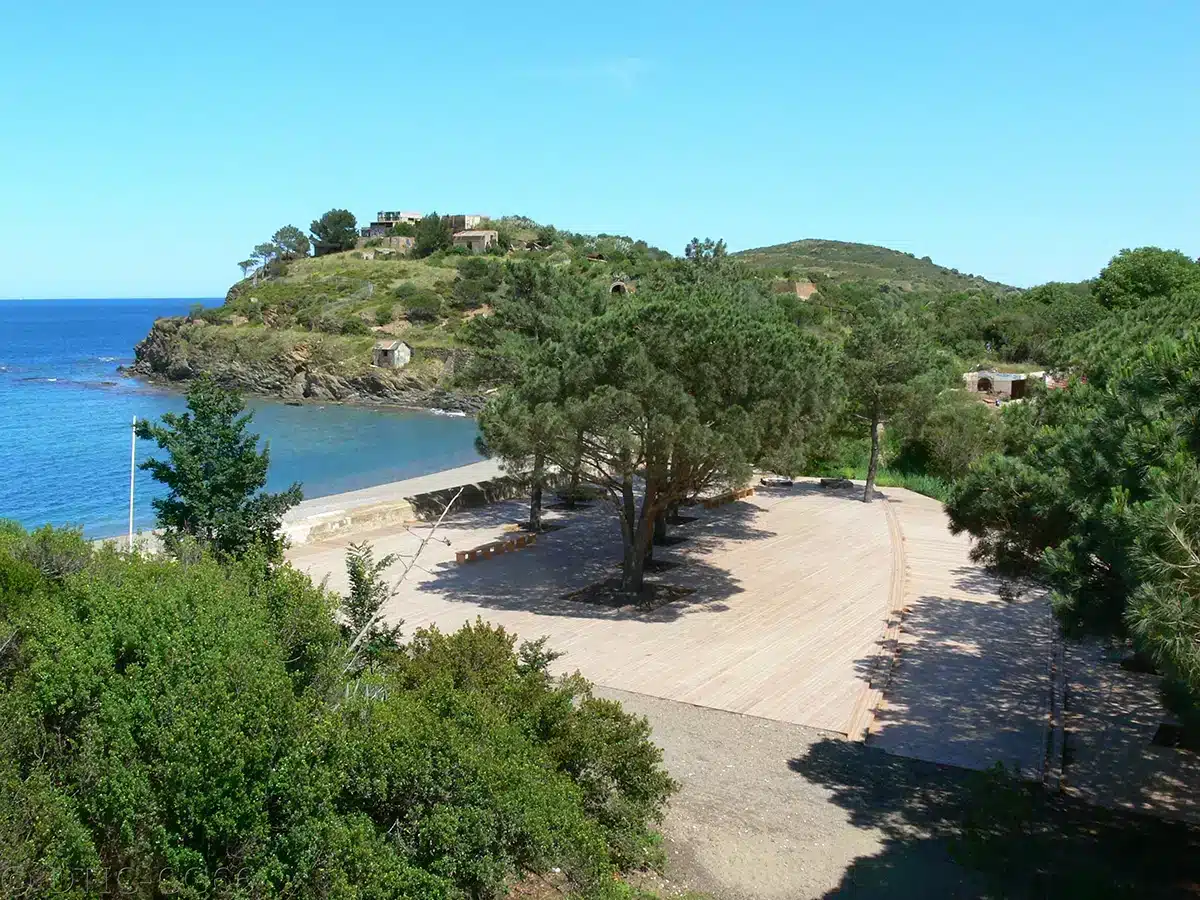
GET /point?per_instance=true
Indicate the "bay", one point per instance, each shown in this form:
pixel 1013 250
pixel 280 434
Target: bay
pixel 66 412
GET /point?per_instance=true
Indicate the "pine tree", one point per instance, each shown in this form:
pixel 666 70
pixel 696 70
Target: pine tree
pixel 369 591
pixel 215 474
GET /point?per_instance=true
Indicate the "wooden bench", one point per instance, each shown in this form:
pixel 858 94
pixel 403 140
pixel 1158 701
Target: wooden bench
pixel 722 499
pixel 487 551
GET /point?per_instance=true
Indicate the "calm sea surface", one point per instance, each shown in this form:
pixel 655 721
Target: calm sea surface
pixel 65 418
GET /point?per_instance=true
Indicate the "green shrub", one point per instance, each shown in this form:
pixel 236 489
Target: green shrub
pixel 217 315
pixel 373 242
pixel 193 725
pixel 385 313
pixel 354 324
pixel 423 305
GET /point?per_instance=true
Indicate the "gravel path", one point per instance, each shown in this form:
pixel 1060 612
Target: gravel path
pixel 747 824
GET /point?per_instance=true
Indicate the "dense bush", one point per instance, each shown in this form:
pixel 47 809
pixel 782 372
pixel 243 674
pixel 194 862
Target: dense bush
pixel 217 315
pixel 1097 493
pixel 385 313
pixel 478 280
pixel 354 324
pixel 420 304
pixel 189 726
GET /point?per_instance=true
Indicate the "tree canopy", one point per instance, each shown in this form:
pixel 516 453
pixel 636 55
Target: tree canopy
pixel 433 233
pixel 888 358
pixel 215 474
pixel 538 308
pixel 1095 495
pixel 291 241
pixel 678 388
pixel 334 232
pixel 1134 276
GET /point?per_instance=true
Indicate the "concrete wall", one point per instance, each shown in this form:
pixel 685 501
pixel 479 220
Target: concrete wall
pixel 418 508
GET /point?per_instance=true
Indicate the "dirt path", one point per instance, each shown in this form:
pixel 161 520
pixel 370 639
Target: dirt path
pixel 765 811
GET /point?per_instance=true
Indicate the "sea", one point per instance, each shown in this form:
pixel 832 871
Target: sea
pixel 66 416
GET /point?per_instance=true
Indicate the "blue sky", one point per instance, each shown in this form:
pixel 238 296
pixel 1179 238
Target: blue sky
pixel 145 148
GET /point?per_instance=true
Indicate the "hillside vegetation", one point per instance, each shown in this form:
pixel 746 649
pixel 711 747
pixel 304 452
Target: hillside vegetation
pixel 841 261
pixel 303 328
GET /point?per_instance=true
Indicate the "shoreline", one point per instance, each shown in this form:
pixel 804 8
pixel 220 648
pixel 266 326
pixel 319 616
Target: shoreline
pixel 395 491
pixel 365 401
pixel 319 517
pixel 394 503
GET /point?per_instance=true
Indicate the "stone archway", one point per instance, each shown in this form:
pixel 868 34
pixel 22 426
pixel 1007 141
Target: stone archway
pixel 984 385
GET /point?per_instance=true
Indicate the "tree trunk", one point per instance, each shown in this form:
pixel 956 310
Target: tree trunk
pixel 873 467
pixel 632 570
pixel 535 493
pixel 576 471
pixel 632 562
pixel 660 527
pixel 637 529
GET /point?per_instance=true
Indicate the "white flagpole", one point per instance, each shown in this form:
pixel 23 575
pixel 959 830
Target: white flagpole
pixel 132 457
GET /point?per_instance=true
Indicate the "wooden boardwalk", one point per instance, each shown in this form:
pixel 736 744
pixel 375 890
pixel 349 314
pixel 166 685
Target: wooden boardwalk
pixel 970 685
pixel 790 602
pixel 811 608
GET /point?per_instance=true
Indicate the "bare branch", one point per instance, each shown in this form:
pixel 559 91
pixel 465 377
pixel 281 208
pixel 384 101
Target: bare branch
pixel 409 565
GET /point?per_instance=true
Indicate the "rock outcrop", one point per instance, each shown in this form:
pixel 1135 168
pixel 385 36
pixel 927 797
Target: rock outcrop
pixel 166 355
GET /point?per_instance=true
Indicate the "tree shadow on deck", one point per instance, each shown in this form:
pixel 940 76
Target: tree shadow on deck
pixel 979 580
pixel 585 552
pixel 951 833
pixel 811 489
pixel 970 685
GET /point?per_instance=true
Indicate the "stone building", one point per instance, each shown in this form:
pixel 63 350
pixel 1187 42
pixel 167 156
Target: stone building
pixel 802 289
pixel 476 241
pixel 1009 385
pixel 391 354
pixel 463 222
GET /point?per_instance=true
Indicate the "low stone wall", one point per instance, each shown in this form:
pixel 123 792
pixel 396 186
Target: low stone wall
pixel 418 508
pixel 326 525
pixel 427 507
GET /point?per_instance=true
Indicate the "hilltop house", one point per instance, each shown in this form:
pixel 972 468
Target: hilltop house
pixel 476 241
pixel 391 354
pixel 463 222
pixel 386 221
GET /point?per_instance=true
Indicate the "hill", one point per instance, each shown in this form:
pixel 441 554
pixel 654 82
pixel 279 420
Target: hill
pixel 841 261
pixel 306 331
pixel 303 328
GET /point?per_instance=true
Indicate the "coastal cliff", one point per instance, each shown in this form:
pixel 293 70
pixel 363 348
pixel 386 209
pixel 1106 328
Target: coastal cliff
pixel 296 365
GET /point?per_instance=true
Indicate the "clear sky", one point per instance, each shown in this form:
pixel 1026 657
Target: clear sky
pixel 146 147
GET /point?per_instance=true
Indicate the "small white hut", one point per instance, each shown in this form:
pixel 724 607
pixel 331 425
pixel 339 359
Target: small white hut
pixel 391 354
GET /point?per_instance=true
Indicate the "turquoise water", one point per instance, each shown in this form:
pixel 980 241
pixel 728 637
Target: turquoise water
pixel 65 418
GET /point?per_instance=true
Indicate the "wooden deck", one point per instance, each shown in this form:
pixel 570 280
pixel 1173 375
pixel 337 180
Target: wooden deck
pixel 790 603
pixel 970 685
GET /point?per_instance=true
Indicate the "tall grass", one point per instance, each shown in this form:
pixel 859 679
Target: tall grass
pixel 848 458
pixel 929 485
